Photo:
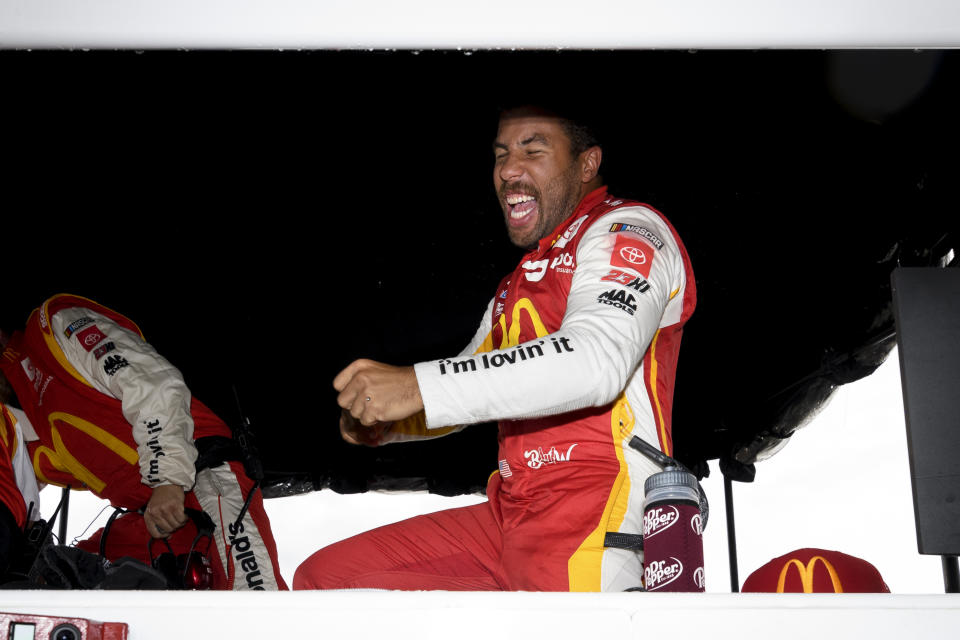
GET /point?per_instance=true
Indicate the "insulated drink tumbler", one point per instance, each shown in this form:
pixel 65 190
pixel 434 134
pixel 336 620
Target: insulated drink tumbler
pixel 672 532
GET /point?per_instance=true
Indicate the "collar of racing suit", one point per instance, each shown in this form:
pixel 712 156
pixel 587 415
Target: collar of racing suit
pixel 589 201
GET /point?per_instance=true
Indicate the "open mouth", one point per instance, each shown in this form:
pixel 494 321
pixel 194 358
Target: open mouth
pixel 520 206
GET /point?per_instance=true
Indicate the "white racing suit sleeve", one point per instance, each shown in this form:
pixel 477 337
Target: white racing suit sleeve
pixel 155 399
pixel 588 361
pixel 22 466
pixel 416 427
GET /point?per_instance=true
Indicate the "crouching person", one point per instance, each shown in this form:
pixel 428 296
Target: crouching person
pixel 107 413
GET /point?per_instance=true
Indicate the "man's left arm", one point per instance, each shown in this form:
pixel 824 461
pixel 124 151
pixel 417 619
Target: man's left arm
pixel 155 401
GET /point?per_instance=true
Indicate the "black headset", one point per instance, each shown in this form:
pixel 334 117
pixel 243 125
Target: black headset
pixel 191 570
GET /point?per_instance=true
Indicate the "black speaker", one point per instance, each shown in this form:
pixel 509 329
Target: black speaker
pixel 927 307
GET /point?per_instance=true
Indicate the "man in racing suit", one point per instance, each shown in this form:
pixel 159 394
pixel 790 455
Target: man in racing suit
pixel 575 355
pixel 109 414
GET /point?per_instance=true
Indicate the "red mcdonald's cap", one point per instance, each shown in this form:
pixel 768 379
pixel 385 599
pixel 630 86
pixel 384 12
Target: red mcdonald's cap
pixel 816 571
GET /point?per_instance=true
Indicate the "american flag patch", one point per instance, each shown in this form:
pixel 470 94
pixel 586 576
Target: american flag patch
pixel 505 469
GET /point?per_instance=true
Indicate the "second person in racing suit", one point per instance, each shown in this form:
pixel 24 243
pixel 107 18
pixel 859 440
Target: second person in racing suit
pixel 109 414
pixel 575 355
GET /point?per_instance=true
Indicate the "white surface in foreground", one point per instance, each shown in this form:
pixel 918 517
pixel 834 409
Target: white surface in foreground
pixel 842 483
pixel 496 23
pixel 465 616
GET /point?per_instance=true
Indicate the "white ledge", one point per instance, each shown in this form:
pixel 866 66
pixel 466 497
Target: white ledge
pixel 446 24
pixel 442 614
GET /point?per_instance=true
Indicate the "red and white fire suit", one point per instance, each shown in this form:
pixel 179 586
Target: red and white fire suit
pixel 113 416
pixel 18 485
pixel 576 354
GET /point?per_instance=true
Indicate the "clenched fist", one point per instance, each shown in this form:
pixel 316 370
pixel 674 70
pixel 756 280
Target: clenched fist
pixel 373 392
pixel 164 513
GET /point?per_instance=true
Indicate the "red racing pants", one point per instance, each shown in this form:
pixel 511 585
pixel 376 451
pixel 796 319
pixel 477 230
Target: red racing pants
pixel 499 545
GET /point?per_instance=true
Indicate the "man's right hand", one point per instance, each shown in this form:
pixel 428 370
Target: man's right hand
pixel 164 513
pixel 374 392
pixel 356 433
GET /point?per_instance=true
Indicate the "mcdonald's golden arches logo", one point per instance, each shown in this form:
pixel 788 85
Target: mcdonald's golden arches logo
pixel 811 570
pixel 806 572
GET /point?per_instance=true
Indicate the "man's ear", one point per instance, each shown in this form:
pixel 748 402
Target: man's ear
pixel 590 163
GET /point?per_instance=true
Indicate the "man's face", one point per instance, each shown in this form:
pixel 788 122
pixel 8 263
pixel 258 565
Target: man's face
pixel 538 181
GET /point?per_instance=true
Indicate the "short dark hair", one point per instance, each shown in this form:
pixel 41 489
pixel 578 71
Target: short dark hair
pixel 575 124
pixel 582 137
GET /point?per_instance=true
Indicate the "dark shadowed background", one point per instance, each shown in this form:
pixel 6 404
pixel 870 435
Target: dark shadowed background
pixel 267 217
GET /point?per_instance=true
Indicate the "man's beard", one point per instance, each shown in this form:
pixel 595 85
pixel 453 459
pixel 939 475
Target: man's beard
pixel 557 202
pixel 563 192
